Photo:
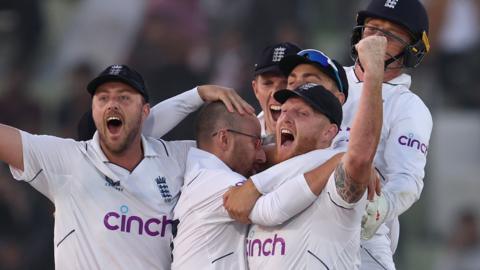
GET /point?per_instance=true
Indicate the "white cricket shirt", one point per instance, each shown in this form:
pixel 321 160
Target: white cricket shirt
pixel 402 151
pixel 105 216
pixel 324 236
pixel 207 237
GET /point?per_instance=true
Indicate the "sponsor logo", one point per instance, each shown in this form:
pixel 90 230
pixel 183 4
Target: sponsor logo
pixel 391 3
pixel 266 247
pixel 125 223
pixel 114 184
pixel 410 141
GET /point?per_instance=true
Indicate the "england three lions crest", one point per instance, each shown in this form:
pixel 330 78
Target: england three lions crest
pixel 163 187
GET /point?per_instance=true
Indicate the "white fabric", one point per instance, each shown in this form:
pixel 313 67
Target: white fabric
pixel 261 119
pixel 207 237
pixel 278 200
pixel 270 179
pixel 167 114
pixel 309 240
pixel 403 146
pixel 106 217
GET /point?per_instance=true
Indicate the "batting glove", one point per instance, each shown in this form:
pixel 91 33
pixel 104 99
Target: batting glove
pixel 374 216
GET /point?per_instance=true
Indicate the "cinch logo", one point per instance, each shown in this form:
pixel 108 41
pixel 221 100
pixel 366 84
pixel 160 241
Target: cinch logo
pixel 256 247
pixel 413 143
pixel 135 224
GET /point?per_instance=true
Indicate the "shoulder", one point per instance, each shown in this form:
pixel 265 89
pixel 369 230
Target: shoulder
pixel 170 148
pixel 402 102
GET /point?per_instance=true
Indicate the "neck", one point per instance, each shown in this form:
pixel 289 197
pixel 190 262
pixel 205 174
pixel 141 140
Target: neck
pixel 389 74
pixel 129 158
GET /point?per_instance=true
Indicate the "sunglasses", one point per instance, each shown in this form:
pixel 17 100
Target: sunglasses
pixel 320 58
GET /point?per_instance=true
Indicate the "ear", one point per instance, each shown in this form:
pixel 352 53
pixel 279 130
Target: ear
pixel 222 140
pixel 255 86
pixel 331 132
pixel 341 97
pixel 145 110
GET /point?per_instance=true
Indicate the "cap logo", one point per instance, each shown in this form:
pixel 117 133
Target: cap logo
pixel 307 86
pixel 115 69
pixel 278 54
pixel 391 3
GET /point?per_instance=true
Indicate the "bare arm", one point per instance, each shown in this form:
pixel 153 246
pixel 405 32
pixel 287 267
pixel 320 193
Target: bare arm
pixel 354 171
pixel 11 151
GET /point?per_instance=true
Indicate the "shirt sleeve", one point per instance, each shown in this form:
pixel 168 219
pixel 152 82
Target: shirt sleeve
pixel 405 155
pixel 169 113
pixel 277 207
pixel 46 162
pixel 270 179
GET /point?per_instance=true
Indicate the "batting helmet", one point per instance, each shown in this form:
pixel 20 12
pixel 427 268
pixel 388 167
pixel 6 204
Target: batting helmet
pixel 410 14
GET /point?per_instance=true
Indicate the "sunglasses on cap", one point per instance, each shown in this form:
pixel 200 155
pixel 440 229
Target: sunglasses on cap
pixel 320 58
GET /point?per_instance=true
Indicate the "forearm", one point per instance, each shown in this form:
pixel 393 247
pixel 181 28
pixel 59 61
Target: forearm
pixel 11 149
pixel 167 114
pixel 366 129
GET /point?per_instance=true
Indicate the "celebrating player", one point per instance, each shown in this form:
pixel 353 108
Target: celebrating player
pixel 327 234
pixel 113 194
pixel 268 79
pixel 402 152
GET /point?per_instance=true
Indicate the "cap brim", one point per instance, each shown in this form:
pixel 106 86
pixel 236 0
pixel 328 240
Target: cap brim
pixel 289 62
pixel 283 95
pixel 270 69
pixel 95 83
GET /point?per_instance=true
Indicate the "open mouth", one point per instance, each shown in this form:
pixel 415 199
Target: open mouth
pixel 286 137
pixel 114 124
pixel 275 111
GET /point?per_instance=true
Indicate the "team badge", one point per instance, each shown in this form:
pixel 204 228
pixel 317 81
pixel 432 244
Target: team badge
pixel 163 187
pixel 391 3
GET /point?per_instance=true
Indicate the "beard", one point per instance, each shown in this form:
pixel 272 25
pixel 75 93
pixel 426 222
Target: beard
pixel 118 147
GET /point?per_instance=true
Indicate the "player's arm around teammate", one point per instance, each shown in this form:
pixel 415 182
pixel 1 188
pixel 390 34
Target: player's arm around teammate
pixel 180 106
pixel 358 160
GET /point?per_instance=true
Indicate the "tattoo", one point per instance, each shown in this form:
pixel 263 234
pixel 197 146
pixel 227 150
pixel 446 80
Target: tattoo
pixel 347 188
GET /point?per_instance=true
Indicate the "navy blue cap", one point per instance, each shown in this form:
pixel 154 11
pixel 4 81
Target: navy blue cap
pixel 272 55
pixel 121 73
pixel 316 96
pixel 328 66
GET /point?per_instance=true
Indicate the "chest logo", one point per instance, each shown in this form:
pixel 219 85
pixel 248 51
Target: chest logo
pixel 163 187
pixel 114 184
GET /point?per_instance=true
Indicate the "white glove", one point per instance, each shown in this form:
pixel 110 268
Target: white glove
pixel 375 214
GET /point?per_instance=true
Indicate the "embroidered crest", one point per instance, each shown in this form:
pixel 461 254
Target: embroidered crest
pixel 115 69
pixel 163 187
pixel 391 3
pixel 278 54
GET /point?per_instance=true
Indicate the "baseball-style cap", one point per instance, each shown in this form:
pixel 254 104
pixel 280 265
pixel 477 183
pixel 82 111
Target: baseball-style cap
pixel 316 96
pixel 121 73
pixel 330 67
pixel 272 55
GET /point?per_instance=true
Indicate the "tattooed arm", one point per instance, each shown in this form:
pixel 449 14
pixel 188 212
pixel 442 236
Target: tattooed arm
pixel 354 171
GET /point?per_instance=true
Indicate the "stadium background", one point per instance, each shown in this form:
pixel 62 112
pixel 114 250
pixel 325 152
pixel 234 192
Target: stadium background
pixel 50 49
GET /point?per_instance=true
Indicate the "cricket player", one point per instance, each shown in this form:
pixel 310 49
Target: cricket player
pixel 407 124
pixel 268 79
pixel 114 195
pixel 327 234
